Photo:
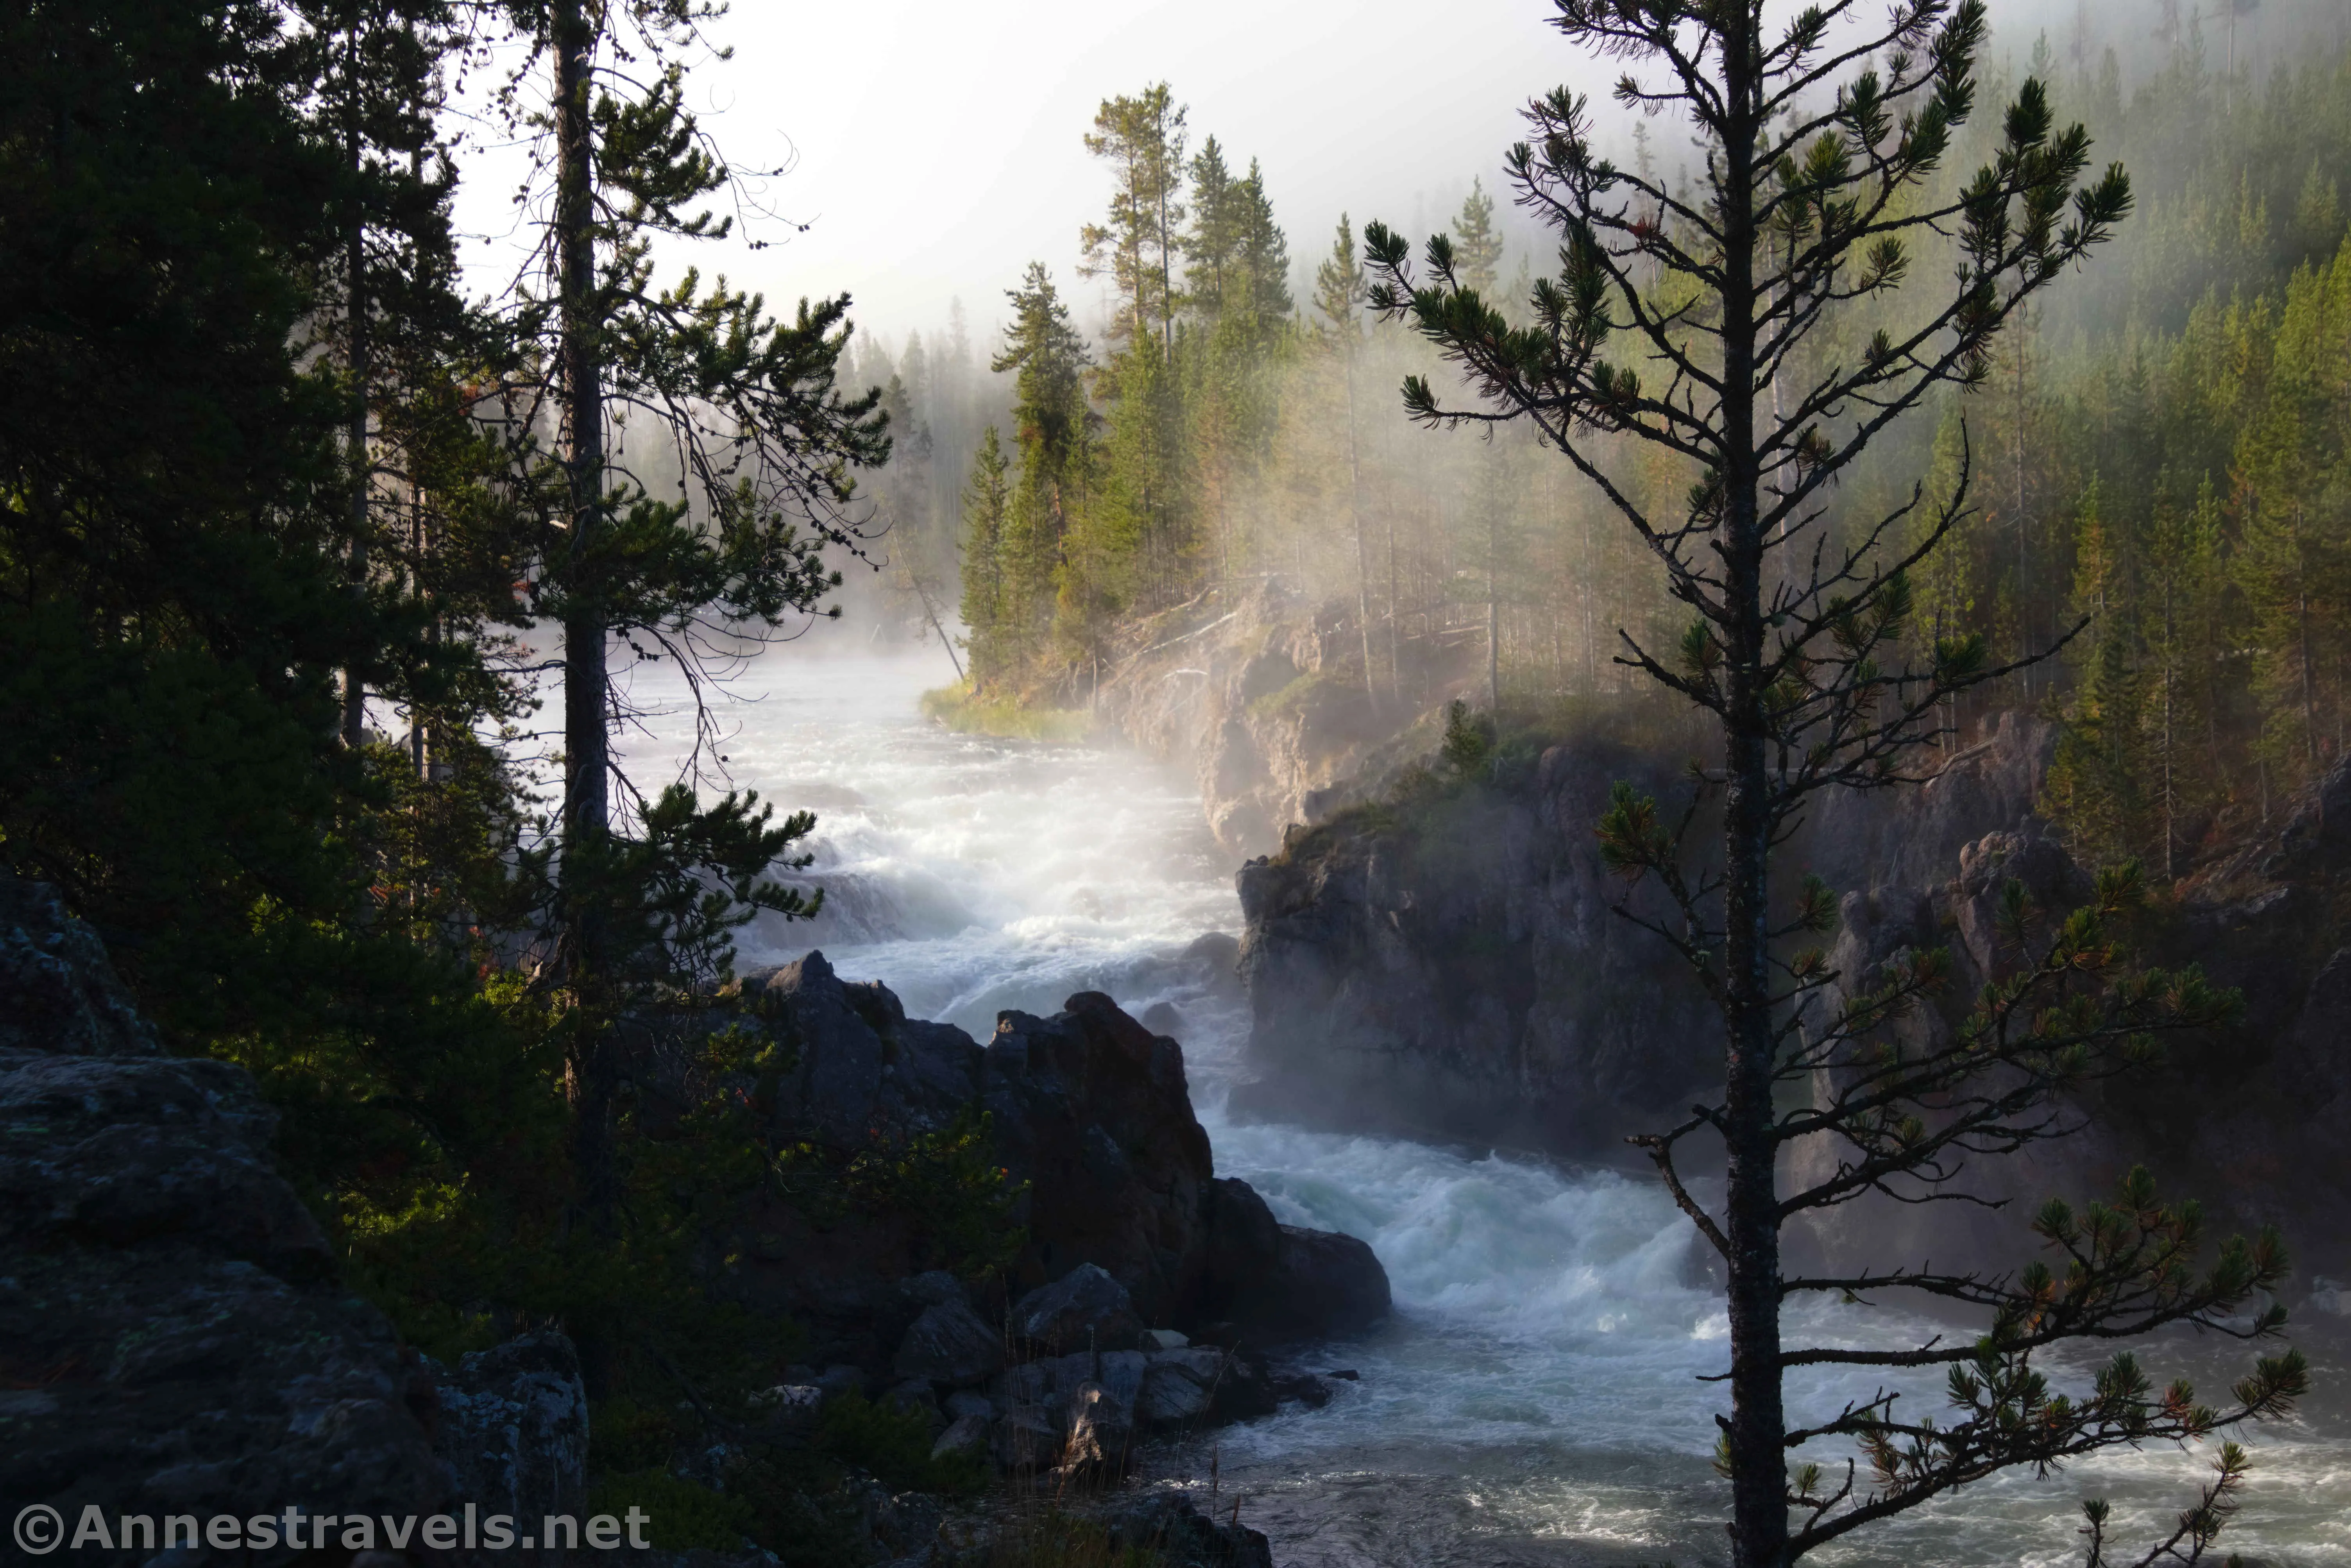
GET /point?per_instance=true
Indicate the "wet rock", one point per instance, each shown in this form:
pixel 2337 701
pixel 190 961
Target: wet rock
pixel 948 1343
pixel 1304 1387
pixel 1329 1284
pixel 513 1431
pixel 1162 1339
pixel 1083 1308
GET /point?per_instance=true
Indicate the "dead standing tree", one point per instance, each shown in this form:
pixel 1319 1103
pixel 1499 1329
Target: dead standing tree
pixel 1823 140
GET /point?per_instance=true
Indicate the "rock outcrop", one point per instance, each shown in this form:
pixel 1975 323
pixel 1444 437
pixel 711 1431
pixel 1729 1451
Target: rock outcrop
pixel 171 1337
pixel 1453 965
pixel 1452 968
pixel 1261 691
pixel 1090 1114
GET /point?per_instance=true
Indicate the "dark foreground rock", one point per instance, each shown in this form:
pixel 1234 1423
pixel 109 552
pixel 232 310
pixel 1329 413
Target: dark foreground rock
pixel 1128 1225
pixel 171 1337
pixel 513 1431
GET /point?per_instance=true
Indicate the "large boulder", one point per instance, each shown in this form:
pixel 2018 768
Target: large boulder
pixel 1330 1284
pixel 948 1343
pixel 1084 1307
pixel 170 1322
pixel 1170 1526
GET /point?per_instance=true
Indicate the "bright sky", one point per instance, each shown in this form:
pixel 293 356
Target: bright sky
pixel 938 143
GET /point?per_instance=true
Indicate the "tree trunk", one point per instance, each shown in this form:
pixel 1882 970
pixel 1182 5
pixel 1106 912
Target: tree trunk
pixel 1363 556
pixel 1493 612
pixel 356 326
pixel 587 752
pixel 1752 1220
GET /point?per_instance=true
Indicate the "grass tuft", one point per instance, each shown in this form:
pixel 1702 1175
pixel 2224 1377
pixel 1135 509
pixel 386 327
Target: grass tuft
pixel 1006 718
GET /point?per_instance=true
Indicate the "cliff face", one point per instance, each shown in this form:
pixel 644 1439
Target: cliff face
pixel 1454 969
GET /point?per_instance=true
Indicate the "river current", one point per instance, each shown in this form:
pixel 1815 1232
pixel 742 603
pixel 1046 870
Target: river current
pixel 1536 1397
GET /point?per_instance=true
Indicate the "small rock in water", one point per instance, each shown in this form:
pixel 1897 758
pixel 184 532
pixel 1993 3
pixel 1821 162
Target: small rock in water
pixel 1305 1387
pixel 1348 1375
pixel 1162 1018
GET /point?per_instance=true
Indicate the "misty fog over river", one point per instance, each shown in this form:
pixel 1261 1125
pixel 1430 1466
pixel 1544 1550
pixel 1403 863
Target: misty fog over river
pixel 1536 1397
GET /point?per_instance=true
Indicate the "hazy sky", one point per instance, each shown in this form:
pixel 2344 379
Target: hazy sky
pixel 938 143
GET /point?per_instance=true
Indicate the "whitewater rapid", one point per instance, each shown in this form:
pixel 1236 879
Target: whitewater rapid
pixel 1538 1397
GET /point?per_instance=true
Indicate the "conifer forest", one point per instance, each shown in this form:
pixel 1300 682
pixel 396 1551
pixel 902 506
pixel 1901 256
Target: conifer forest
pixel 851 789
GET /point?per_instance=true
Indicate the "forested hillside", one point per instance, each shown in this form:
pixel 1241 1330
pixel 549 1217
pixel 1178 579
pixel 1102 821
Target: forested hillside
pixel 2156 457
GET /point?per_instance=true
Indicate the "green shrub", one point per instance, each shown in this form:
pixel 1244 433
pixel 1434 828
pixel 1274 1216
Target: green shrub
pixel 681 1514
pixel 895 1445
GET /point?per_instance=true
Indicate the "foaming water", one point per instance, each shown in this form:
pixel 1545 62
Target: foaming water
pixel 1536 1397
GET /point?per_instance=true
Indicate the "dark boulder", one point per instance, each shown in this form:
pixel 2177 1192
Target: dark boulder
pixel 1330 1284
pixel 168 1320
pixel 513 1431
pixel 1169 1526
pixel 948 1343
pixel 1084 1309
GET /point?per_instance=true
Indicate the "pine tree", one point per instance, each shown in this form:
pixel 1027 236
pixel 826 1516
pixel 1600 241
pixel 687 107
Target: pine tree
pixel 1338 297
pixel 1669 334
pixel 986 516
pixel 1053 428
pixel 1142 139
pixel 1477 245
pixel 766 445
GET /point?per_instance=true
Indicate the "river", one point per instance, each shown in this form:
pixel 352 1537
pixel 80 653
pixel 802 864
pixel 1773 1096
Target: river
pixel 1536 1397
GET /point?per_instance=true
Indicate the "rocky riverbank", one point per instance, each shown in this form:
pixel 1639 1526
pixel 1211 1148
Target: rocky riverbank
pixel 1261 691
pixel 175 1340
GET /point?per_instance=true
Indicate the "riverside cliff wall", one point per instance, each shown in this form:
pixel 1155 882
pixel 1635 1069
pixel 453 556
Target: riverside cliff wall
pixel 1451 967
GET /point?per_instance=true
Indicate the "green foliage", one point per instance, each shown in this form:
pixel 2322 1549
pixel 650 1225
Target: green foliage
pixel 947 1183
pixel 1468 745
pixel 895 1445
pixel 682 1514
